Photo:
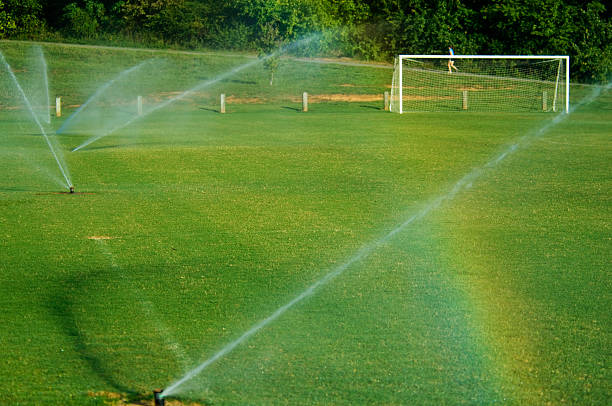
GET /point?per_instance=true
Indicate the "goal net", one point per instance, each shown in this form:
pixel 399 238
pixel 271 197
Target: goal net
pixel 480 83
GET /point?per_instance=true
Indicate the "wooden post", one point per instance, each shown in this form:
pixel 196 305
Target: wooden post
pixel 465 100
pixel 58 107
pixel 304 102
pixel 545 100
pixel 222 109
pixel 386 101
pixel 140 105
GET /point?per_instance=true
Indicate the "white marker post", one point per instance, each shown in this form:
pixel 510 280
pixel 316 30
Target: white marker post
pixel 222 109
pixel 58 107
pixel 304 102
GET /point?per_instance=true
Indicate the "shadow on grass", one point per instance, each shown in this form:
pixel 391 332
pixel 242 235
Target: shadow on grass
pixel 15 189
pixel 242 82
pixel 210 109
pixel 61 304
pixel 42 192
pixel 238 81
pixel 370 107
pixel 124 145
pixel 37 134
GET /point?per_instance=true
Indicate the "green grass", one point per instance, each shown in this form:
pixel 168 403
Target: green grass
pixel 500 294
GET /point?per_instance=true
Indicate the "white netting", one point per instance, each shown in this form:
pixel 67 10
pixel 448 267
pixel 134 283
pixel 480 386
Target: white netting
pixel 491 84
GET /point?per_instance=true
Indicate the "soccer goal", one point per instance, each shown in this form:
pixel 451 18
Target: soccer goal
pixel 506 83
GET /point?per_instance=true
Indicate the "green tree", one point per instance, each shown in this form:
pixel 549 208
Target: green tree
pixel 419 26
pixel 7 24
pixel 165 20
pixel 269 44
pixel 23 18
pixel 591 47
pixel 579 29
pixel 370 29
pixel 274 23
pixel 84 22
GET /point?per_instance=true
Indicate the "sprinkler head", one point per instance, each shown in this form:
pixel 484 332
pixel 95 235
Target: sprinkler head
pixel 71 189
pixel 157 395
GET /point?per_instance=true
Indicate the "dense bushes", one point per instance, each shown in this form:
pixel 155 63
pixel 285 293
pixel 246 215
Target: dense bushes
pixel 370 29
pixel 21 18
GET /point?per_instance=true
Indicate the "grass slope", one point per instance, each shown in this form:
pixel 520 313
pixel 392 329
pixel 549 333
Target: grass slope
pixel 205 224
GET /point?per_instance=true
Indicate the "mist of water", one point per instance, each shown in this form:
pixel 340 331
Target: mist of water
pixel 148 309
pixel 45 85
pixel 55 152
pixel 200 86
pixel 65 127
pixel 466 182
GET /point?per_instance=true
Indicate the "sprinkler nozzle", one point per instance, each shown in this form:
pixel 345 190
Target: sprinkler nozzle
pixel 71 189
pixel 157 395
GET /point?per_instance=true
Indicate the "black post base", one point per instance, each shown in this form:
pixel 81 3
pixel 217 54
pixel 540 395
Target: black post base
pixel 159 401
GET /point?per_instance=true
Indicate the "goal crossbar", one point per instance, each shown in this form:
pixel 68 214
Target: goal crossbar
pixel 564 58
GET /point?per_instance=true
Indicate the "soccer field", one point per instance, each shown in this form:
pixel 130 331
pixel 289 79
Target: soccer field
pixel 377 258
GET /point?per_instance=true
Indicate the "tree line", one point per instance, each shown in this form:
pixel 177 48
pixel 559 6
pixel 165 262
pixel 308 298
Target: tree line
pixel 367 29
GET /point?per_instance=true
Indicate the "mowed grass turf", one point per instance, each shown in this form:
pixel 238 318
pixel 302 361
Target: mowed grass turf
pixel 190 226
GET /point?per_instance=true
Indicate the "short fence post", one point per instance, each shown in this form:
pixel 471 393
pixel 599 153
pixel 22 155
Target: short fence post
pixel 304 102
pixel 545 100
pixel 465 100
pixel 58 107
pixel 386 101
pixel 222 109
pixel 140 105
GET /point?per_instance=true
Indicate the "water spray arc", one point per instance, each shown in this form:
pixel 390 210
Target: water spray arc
pixel 167 103
pixel 366 250
pixel 45 84
pixel 196 88
pixel 63 170
pixel 99 92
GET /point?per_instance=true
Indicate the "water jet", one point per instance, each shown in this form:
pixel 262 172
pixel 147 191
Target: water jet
pixel 97 95
pixel 202 85
pixel 56 153
pixel 466 182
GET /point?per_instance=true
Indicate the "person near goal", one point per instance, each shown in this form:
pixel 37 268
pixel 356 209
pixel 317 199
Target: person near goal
pixel 451 63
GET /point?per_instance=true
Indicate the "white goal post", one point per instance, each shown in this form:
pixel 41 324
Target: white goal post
pixel 513 83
